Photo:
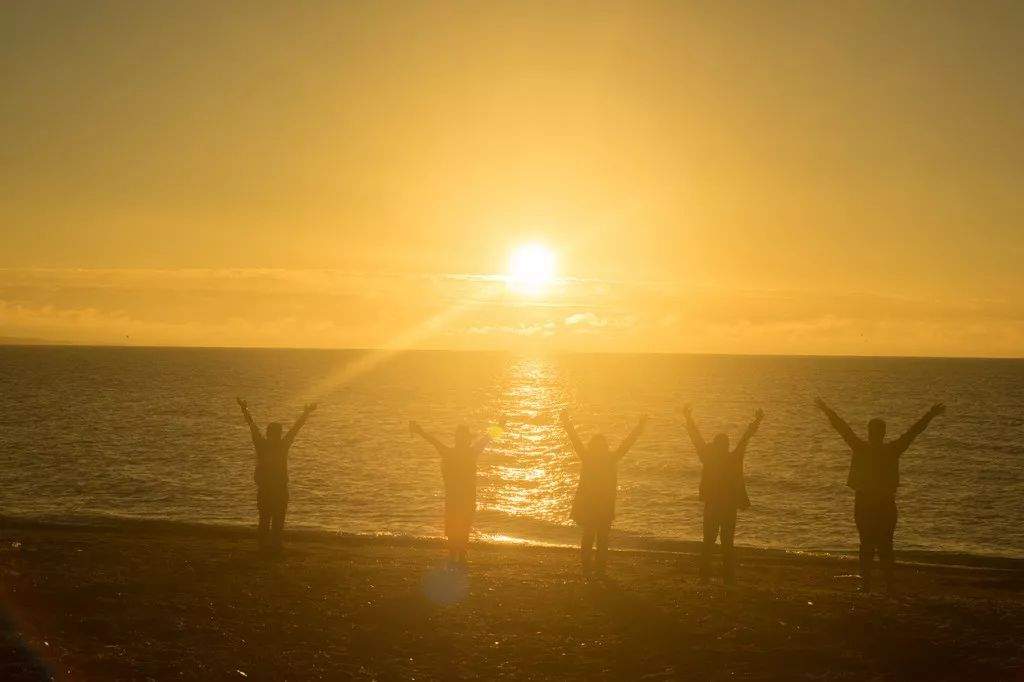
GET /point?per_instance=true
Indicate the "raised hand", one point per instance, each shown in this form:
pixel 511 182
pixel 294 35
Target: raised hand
pixel 310 407
pixel 937 409
pixel 751 430
pixel 820 404
pixel 256 437
pixel 687 410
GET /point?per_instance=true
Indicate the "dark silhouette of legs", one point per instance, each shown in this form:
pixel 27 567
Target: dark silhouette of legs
pixel 263 534
pixel 587 547
pixel 727 521
pixel 264 508
pixel 277 524
pixel 863 516
pixel 711 528
pixel 458 550
pixel 457 547
pixel 886 532
pixel 887 559
pixel 458 524
pixel 602 534
pixel 876 523
pixel 718 520
pixel 866 558
pixel 452 532
pixel 272 505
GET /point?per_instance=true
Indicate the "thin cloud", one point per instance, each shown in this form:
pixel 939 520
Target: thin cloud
pixel 333 308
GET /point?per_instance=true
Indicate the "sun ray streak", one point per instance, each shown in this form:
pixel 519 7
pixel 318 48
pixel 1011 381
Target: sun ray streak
pixel 404 341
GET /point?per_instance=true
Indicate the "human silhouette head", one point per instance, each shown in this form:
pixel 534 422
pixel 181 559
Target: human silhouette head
pixel 720 445
pixel 462 436
pixel 274 431
pixel 598 445
pixel 876 431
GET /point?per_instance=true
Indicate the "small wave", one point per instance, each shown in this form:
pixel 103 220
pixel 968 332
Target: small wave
pixel 624 541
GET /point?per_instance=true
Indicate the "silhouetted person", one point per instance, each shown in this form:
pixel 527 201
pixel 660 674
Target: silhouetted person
pixel 874 476
pixel 723 491
pixel 593 509
pixel 271 473
pixel 458 468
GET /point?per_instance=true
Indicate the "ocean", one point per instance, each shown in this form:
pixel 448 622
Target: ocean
pixel 90 435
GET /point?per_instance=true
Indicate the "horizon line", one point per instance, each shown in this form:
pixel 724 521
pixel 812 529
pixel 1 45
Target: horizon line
pixel 510 351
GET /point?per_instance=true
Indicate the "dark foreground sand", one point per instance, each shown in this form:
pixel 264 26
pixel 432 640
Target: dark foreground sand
pixel 168 602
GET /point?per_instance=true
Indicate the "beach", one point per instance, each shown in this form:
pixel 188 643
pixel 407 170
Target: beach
pixel 176 601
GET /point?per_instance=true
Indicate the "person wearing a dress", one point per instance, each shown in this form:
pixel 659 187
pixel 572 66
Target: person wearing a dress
pixel 593 508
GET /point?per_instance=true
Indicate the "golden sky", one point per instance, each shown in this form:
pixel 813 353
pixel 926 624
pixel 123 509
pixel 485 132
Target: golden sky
pixel 834 178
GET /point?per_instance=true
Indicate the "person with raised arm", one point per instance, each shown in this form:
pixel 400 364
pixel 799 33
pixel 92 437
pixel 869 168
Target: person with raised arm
pixel 271 474
pixel 874 476
pixel 723 490
pixel 593 508
pixel 458 469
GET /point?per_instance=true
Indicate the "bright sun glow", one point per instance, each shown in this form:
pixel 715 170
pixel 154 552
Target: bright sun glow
pixel 531 269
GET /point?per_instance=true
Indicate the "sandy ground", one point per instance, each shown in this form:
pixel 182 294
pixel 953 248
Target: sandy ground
pixel 174 602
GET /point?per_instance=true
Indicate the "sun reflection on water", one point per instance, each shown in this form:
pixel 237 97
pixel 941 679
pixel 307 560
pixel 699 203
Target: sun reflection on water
pixel 533 476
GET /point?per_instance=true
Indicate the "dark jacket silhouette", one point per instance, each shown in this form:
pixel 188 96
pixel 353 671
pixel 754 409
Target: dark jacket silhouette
pixel 593 508
pixel 271 472
pixel 875 476
pixel 723 489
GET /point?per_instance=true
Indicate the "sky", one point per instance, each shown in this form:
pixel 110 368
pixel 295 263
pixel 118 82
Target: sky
pixel 728 177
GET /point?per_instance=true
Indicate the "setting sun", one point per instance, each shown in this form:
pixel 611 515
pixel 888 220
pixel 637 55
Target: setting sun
pixel 531 268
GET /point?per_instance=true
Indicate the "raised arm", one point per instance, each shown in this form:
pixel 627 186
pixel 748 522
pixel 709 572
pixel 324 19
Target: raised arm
pixel 691 428
pixel 749 433
pixel 294 431
pixel 630 440
pixel 253 429
pixel 574 437
pixel 904 441
pixel 417 430
pixel 841 427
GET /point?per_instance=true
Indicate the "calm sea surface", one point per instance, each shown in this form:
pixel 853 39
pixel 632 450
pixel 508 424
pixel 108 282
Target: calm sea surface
pixel 94 433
